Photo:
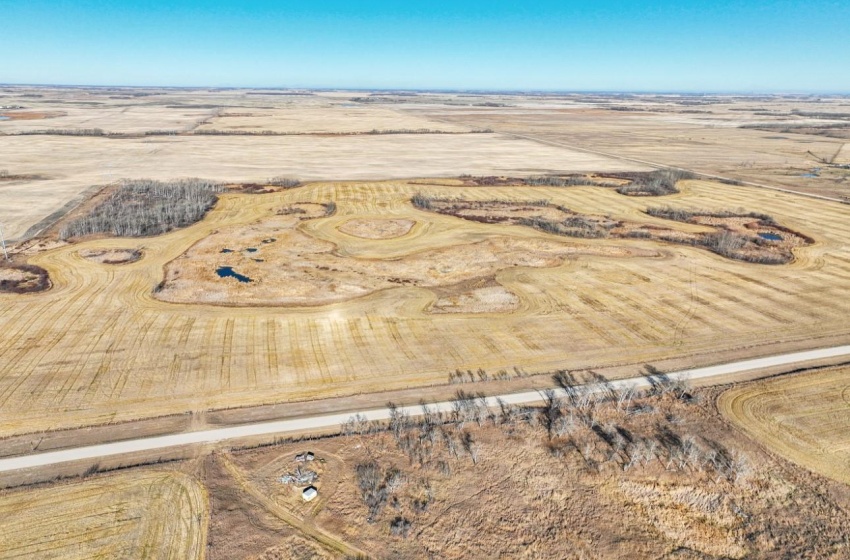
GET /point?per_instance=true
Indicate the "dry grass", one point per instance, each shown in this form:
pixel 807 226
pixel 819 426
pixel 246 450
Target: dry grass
pixel 151 357
pixel 805 418
pixel 140 514
pixel 377 228
pixel 499 487
pixel 22 279
pixel 282 265
pixel 112 256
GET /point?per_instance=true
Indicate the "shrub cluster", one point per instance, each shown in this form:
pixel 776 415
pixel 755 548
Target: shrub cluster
pixel 285 182
pixel 658 183
pixel 682 215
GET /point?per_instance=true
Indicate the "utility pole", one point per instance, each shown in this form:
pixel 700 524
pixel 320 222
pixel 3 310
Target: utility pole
pixel 3 242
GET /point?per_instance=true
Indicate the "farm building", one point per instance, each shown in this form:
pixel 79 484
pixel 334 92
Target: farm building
pixel 309 493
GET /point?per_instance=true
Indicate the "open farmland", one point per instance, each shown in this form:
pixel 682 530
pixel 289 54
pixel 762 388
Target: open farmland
pixel 805 418
pixel 102 346
pixel 791 142
pixel 84 139
pixel 147 513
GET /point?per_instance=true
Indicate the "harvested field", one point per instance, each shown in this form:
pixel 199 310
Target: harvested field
pixel 804 418
pixel 105 138
pixel 483 296
pixel 146 513
pixel 30 115
pixel 664 130
pixel 638 479
pixel 111 256
pixel 77 163
pixel 153 357
pixel 377 229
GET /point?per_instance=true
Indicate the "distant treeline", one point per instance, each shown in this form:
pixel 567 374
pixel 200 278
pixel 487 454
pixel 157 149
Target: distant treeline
pixel 97 132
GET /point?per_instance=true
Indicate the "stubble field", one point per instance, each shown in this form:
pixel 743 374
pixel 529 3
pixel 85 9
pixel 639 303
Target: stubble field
pixel 143 514
pixel 101 346
pixel 804 418
pixel 92 138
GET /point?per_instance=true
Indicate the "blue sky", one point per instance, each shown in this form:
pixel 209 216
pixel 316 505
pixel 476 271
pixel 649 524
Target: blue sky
pixel 711 45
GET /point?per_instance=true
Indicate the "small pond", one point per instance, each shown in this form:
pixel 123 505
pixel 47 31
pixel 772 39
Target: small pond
pixel 770 236
pixel 228 272
pixel 251 249
pixel 227 250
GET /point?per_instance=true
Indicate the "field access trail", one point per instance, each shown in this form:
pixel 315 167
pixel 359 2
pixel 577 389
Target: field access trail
pixel 322 423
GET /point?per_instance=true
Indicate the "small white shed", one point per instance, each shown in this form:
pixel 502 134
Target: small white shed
pixel 309 493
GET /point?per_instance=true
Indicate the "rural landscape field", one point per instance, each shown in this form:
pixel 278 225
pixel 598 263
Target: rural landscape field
pixel 187 267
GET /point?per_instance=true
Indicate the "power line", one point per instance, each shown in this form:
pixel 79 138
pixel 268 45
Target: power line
pixel 3 242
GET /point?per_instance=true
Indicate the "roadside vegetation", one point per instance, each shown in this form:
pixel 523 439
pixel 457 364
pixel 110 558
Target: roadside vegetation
pixel 634 471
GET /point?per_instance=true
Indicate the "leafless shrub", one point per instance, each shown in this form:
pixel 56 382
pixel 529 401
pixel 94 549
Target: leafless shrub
pixel 370 481
pixel 470 446
pixel 358 424
pixel 421 201
pixel 682 215
pixel 285 182
pixel 64 132
pixel 400 527
pixel 289 210
pixel 554 181
pixel 658 183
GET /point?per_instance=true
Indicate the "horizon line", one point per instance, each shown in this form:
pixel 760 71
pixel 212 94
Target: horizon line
pixel 483 91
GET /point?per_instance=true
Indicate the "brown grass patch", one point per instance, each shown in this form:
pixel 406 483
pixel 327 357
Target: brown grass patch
pixel 111 256
pixel 286 266
pixel 23 278
pixel 32 115
pixel 377 228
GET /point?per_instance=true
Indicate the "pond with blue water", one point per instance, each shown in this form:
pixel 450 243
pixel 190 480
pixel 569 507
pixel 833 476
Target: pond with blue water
pixel 228 272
